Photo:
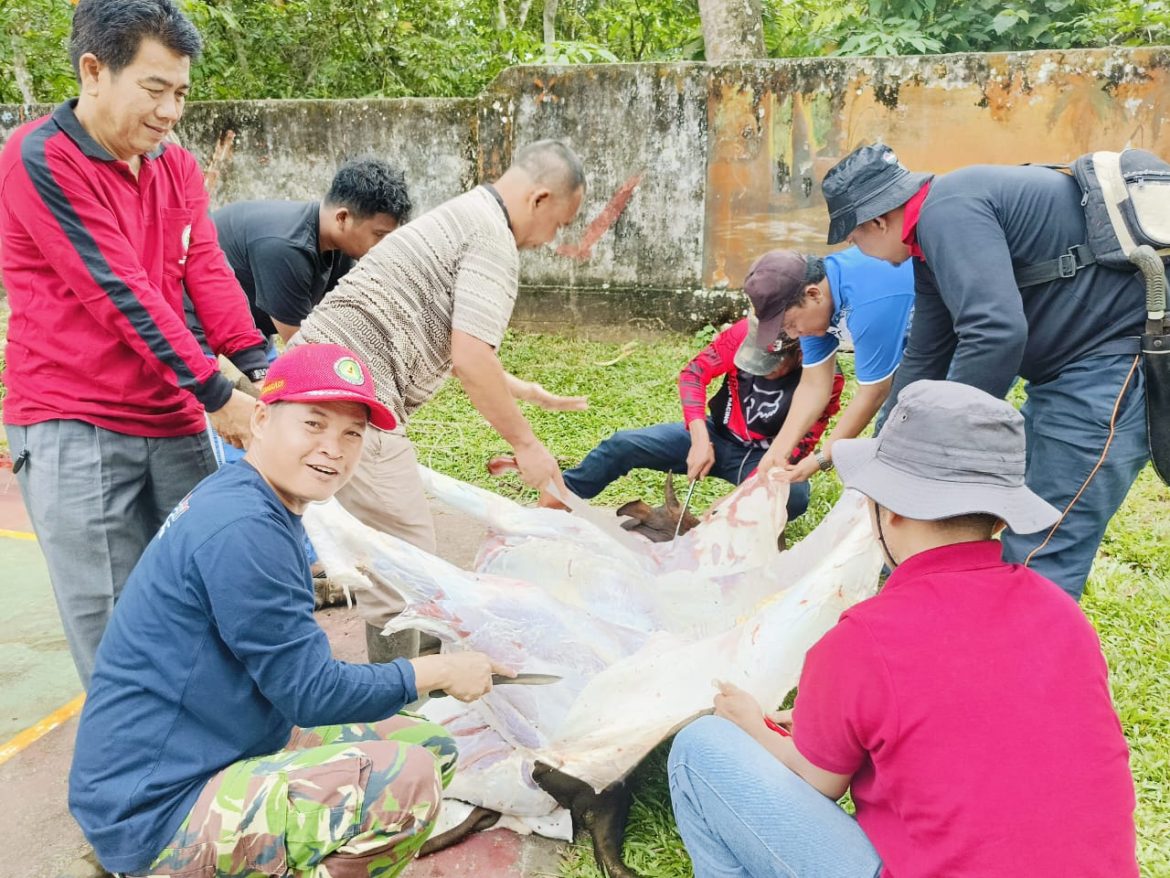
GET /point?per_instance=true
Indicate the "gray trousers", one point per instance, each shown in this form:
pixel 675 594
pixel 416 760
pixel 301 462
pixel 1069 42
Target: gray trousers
pixel 96 498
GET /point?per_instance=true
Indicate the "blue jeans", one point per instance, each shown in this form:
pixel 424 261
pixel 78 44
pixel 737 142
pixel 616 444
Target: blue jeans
pixel 742 812
pixel 664 447
pixel 1075 466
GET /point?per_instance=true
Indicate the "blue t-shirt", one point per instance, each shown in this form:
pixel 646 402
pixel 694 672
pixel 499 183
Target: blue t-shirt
pixel 874 299
pixel 212 655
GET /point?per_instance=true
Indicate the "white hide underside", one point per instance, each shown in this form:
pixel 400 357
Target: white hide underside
pixel 637 632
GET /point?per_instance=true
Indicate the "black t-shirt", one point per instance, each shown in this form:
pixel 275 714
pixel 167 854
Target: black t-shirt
pixel 272 247
pixel 753 405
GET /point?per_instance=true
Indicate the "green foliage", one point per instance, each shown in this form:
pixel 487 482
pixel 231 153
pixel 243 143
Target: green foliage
pixel 34 37
pixel 368 48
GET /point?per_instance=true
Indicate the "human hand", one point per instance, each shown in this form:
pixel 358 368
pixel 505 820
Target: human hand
pixel 796 472
pixel 234 420
pixel 782 718
pixel 538 467
pixel 733 703
pixel 464 676
pixel 700 458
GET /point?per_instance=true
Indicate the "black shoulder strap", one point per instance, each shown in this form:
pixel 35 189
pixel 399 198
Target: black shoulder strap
pixel 1064 266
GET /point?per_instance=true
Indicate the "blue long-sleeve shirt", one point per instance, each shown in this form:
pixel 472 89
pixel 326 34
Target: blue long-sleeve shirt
pixel 972 323
pixel 212 655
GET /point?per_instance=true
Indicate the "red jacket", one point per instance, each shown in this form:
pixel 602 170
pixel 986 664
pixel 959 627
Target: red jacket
pixel 95 263
pixel 732 406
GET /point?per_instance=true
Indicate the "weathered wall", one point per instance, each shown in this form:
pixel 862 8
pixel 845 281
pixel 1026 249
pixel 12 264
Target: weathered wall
pixel 694 169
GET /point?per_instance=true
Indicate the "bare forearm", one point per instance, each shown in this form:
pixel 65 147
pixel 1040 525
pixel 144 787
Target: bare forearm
pixel 808 402
pixel 518 388
pixel 860 411
pixel 478 369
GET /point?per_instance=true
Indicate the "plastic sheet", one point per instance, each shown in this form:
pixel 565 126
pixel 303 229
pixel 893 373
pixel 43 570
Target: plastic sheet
pixel 637 632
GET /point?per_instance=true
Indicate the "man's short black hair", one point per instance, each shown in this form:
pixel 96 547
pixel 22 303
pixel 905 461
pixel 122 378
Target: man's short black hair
pixel 112 30
pixel 367 186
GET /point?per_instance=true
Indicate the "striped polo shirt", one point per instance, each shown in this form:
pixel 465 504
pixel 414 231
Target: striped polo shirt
pixel 455 267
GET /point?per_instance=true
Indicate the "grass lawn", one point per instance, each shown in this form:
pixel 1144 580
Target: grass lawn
pixel 1128 597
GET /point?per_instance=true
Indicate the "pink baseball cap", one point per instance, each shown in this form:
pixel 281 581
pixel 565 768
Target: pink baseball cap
pixel 325 373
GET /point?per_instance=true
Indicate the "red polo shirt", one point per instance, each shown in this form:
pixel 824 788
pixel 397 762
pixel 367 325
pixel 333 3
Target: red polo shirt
pixel 969 700
pixel 95 263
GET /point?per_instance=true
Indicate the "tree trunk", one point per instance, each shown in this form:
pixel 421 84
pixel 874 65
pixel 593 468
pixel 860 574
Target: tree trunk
pixel 550 22
pixel 733 30
pixel 20 73
pixel 501 16
pixel 522 17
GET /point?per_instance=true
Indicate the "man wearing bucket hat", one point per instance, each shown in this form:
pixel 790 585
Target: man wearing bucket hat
pixel 746 412
pixel 982 316
pixel 966 707
pixel 219 735
pixel 814 299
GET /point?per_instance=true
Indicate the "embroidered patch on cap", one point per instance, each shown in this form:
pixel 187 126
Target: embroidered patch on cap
pixel 272 386
pixel 348 370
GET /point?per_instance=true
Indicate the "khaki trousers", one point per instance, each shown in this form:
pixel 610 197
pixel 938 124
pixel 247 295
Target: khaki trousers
pixel 386 493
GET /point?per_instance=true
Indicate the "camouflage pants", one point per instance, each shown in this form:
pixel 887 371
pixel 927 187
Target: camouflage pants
pixel 337 802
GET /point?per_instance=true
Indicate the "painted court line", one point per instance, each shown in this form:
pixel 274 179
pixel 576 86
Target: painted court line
pixel 41 728
pixel 17 534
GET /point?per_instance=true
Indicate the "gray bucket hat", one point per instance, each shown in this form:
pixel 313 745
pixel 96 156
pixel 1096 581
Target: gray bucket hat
pixel 864 185
pixel 946 449
pixel 756 360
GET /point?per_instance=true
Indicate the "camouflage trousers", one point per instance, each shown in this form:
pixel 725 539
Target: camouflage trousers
pixel 337 802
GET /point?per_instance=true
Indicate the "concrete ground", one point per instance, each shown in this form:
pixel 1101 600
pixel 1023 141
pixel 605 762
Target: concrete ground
pixel 40 699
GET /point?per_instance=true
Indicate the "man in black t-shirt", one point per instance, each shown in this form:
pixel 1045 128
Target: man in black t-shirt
pixel 288 254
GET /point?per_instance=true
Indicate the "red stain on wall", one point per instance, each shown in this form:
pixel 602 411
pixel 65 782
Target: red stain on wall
pixel 602 223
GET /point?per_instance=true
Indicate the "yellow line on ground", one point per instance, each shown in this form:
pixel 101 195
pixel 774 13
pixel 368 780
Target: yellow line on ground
pixel 17 534
pixel 39 729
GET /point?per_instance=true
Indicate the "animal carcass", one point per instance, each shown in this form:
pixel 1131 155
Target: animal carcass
pixel 637 631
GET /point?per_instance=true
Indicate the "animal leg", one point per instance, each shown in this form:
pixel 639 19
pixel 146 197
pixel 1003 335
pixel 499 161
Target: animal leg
pixel 478 820
pixel 602 814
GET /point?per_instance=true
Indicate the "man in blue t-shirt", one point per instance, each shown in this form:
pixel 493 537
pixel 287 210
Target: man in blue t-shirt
pixel 814 299
pixel 219 735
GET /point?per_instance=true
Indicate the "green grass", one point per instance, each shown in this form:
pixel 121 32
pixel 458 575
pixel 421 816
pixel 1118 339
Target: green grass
pixel 1127 599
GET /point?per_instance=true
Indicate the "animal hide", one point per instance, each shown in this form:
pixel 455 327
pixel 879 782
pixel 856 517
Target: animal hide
pixel 637 632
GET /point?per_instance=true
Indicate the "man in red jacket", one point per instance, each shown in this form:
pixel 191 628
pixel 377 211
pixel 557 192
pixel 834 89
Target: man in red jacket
pixel 746 413
pixel 104 224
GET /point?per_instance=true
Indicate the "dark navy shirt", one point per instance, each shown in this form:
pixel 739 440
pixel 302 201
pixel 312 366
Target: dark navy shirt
pixel 971 322
pixel 212 655
pixel 274 249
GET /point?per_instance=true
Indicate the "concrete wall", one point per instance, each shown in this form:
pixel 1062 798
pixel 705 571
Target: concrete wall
pixel 693 169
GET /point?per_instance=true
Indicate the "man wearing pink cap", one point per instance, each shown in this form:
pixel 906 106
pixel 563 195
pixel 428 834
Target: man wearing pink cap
pixel 220 736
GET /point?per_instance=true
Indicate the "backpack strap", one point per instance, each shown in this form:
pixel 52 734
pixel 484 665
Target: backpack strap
pixel 1064 266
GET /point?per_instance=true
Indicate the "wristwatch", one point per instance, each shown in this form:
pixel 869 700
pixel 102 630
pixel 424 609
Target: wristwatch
pixel 256 375
pixel 822 462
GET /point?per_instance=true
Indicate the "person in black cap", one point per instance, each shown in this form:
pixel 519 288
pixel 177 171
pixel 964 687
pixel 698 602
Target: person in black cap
pixel 986 311
pixel 966 707
pixel 746 413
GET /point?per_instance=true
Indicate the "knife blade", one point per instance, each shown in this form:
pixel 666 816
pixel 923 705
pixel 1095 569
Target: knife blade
pixel 522 679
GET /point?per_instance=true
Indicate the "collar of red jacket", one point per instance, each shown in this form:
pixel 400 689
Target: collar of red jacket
pixel 910 221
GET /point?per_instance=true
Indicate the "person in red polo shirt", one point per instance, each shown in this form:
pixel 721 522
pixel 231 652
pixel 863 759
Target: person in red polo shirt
pixel 966 707
pixel 104 224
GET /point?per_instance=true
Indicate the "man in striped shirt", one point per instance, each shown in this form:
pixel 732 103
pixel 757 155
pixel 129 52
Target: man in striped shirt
pixel 431 299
